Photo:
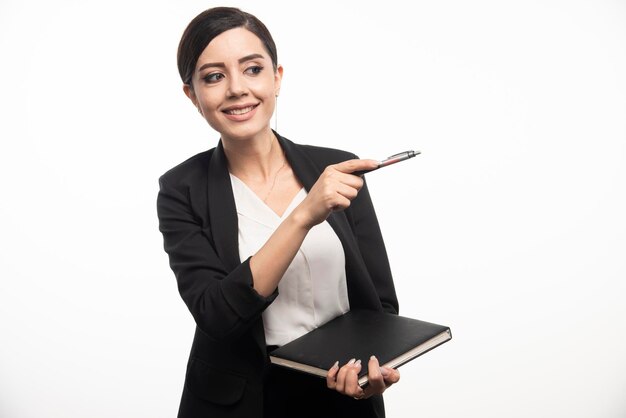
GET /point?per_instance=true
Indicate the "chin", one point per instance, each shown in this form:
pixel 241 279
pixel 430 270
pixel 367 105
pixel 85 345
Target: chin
pixel 246 132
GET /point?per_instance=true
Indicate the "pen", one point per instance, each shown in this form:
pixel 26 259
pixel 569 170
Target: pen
pixel 396 158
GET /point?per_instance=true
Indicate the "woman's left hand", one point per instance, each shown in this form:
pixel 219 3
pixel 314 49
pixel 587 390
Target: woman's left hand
pixel 345 380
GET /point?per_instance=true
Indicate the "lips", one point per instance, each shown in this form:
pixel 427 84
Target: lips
pixel 239 110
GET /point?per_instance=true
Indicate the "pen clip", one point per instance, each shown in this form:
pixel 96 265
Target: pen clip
pixel 399 154
pixel 408 154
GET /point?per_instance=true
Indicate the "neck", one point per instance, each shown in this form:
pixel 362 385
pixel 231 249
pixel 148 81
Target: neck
pixel 256 158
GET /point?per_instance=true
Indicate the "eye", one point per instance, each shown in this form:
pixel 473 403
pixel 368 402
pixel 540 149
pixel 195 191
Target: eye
pixel 213 77
pixel 254 70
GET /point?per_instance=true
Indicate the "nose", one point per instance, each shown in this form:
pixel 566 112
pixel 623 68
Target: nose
pixel 236 86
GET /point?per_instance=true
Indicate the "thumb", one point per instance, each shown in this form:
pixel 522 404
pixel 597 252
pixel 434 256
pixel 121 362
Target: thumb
pixel 351 166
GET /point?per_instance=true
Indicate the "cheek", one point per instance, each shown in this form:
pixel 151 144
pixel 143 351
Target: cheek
pixel 265 87
pixel 209 101
pixel 209 97
pixel 213 121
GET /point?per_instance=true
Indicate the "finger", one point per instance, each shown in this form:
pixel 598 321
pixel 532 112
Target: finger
pixel 339 196
pixel 347 191
pixel 337 202
pixel 375 377
pixel 353 181
pixel 352 387
pixel 350 166
pixel 331 376
pixel 331 176
pixel 341 376
pixel 390 375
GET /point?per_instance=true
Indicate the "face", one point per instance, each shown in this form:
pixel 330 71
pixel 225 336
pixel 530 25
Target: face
pixel 235 85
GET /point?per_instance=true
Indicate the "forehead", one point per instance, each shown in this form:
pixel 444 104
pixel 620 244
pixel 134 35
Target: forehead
pixel 232 45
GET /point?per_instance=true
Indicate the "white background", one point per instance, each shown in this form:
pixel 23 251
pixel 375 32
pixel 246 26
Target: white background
pixel 509 228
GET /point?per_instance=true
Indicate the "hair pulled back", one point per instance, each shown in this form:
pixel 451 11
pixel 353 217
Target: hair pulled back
pixel 211 23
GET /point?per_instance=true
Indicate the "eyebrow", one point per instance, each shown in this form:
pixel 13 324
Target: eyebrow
pixel 222 65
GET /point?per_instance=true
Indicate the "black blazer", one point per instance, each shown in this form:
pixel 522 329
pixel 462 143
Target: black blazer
pixel 198 219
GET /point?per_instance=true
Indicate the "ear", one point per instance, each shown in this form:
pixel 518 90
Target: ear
pixel 278 77
pixel 188 89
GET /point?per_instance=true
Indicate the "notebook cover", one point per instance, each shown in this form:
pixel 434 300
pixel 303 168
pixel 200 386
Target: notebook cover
pixel 393 339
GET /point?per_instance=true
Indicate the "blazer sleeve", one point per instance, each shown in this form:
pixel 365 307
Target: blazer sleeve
pixel 370 241
pixel 223 303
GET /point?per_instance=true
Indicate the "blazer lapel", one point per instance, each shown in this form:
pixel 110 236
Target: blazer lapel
pixel 361 290
pixel 224 225
pixel 222 210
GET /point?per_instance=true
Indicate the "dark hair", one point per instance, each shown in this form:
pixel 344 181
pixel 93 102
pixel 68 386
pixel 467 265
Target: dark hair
pixel 211 23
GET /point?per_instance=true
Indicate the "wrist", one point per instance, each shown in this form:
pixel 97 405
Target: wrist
pixel 300 221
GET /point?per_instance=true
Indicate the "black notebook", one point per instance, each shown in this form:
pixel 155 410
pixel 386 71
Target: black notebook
pixel 393 339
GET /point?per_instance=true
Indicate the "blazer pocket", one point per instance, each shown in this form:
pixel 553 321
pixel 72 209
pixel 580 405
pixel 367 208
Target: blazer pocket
pixel 214 385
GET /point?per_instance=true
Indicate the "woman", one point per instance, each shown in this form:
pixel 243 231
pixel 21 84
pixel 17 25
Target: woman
pixel 268 239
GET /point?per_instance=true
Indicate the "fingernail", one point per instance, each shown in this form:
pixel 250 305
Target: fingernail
pixel 373 358
pixel 336 365
pixel 384 371
pixel 357 363
pixel 351 362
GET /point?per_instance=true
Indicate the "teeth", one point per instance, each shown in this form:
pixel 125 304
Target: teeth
pixel 240 111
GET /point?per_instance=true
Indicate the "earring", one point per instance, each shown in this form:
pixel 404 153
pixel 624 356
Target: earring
pixel 276 115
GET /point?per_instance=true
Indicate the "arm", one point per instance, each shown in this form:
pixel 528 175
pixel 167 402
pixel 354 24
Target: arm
pixel 334 190
pixel 225 303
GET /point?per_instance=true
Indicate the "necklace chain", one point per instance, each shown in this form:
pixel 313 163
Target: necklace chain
pixel 274 181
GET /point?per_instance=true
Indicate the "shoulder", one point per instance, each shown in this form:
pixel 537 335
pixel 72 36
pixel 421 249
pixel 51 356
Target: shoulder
pixel 330 155
pixel 322 156
pixel 188 171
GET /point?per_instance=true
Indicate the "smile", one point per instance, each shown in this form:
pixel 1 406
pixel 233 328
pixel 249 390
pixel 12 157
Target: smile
pixel 240 111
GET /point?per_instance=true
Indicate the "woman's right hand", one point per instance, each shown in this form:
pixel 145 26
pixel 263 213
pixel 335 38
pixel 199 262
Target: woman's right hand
pixel 333 191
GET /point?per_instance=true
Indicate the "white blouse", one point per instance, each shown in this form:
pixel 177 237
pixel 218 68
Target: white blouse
pixel 313 290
